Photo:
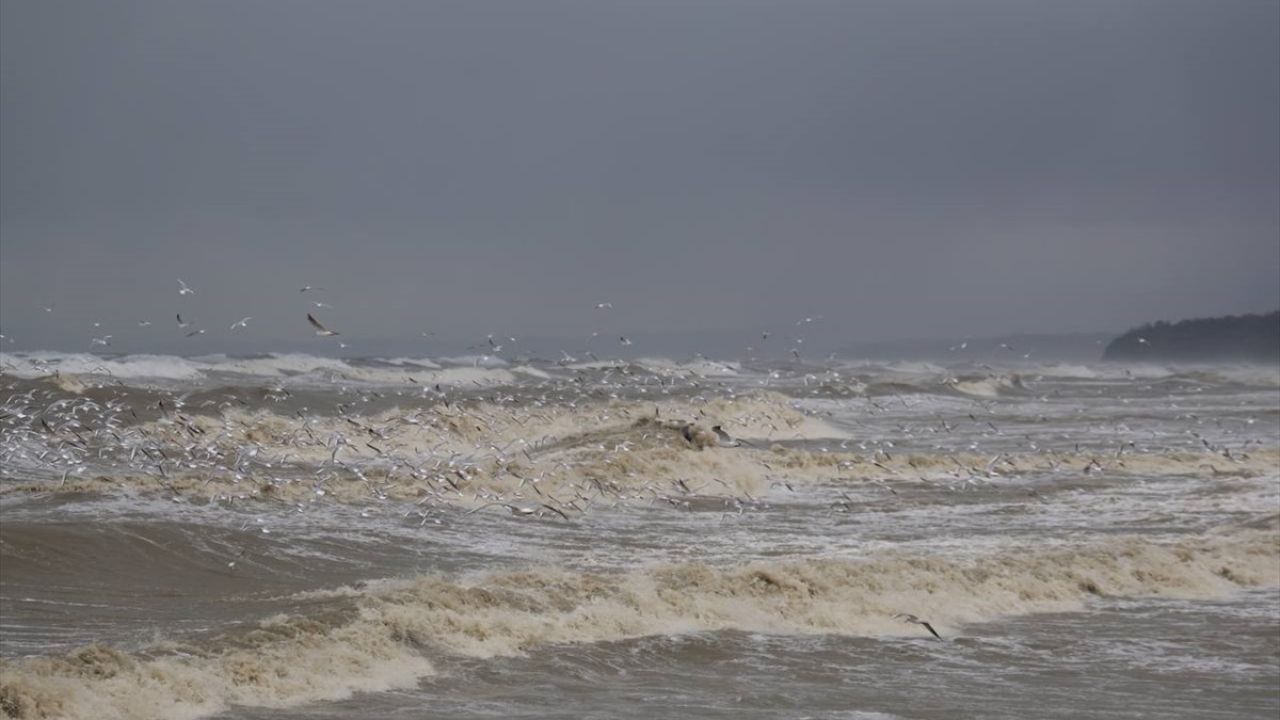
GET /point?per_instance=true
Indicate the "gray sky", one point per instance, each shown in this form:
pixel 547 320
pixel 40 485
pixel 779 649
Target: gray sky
pixel 901 168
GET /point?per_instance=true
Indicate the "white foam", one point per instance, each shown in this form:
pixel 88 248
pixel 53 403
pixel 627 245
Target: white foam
pixel 38 364
pixel 298 368
pixel 419 361
pixel 277 365
pixel 703 367
pixel 1070 371
pixel 474 360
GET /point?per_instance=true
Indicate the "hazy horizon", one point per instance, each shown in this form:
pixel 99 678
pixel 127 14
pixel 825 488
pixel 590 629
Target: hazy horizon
pixel 900 169
pixel 699 359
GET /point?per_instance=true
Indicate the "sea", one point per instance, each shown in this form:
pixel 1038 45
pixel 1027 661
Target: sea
pixel 288 536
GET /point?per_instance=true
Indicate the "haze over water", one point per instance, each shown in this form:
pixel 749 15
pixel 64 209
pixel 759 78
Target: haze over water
pixel 902 169
pixel 459 360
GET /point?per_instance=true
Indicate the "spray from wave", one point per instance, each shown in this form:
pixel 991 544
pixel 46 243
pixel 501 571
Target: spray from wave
pixel 388 635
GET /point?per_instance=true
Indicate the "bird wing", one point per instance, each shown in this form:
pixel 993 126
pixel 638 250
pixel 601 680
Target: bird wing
pixel 316 323
pixel 555 510
pixel 929 627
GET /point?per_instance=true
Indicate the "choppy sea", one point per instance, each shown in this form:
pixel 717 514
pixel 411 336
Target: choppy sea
pixel 287 536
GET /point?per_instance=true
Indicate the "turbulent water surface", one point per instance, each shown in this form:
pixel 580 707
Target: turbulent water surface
pixel 299 537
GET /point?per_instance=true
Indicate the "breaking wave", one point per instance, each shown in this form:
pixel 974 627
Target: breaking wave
pixel 74 371
pixel 295 367
pixel 600 450
pixel 395 632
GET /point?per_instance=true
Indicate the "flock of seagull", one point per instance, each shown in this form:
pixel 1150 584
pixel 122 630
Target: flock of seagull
pixel 321 330
pixel 184 290
pixel 173 441
pixel 74 436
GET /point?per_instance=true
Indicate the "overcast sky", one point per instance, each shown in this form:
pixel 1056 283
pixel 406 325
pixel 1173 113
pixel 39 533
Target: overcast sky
pixel 901 168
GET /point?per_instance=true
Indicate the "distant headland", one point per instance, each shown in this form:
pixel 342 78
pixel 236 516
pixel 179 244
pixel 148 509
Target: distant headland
pixel 1254 338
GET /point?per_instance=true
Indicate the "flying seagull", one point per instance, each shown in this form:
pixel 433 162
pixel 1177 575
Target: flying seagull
pixel 306 288
pixel 244 322
pixel 182 324
pixel 726 440
pixel 183 289
pixel 521 511
pixel 907 617
pixel 320 329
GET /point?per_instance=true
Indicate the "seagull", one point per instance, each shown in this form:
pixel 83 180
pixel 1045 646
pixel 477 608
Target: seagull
pixel 320 329
pixel 602 306
pixel 183 289
pixel 725 439
pixel 47 308
pixel 306 288
pixel 104 340
pixel 182 324
pixel 193 333
pixel 243 322
pixel 144 323
pixel 322 304
pixel 520 511
pixel 623 339
pixel 696 436
pixel 907 617
pixel 686 431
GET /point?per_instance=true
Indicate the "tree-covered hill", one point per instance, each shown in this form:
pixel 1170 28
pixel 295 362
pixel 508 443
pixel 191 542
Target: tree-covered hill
pixel 1237 337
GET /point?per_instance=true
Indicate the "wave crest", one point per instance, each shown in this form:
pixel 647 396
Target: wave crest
pixel 385 637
